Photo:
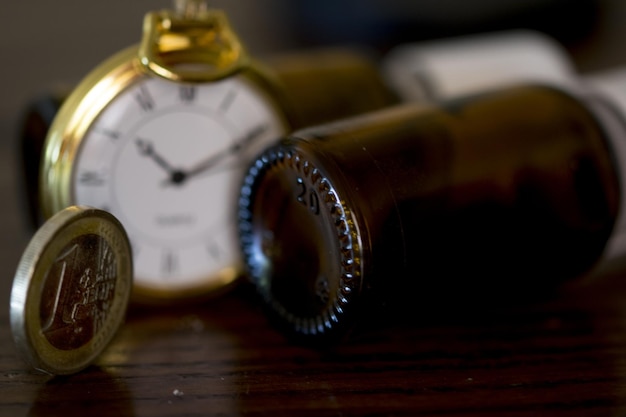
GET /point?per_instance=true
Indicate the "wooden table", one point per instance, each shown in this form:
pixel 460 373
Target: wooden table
pixel 562 356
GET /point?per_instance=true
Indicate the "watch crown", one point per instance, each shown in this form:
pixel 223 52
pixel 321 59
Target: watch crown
pixel 190 9
pixel 192 44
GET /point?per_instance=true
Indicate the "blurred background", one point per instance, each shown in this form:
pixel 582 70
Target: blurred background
pixel 46 44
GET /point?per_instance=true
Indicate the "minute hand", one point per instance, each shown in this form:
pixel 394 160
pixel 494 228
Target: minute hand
pixel 213 160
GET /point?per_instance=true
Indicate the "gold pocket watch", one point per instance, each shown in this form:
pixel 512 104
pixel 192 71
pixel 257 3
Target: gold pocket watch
pixel 159 135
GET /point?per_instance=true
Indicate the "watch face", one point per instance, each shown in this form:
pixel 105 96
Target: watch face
pixel 167 160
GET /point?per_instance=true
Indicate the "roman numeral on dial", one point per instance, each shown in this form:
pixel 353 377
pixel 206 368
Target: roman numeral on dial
pixel 187 93
pixel 169 262
pixel 92 178
pixel 144 99
pixel 227 101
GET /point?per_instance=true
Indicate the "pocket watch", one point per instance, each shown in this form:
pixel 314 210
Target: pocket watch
pixel 159 135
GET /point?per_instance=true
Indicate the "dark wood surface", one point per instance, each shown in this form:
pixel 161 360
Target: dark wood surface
pixel 565 355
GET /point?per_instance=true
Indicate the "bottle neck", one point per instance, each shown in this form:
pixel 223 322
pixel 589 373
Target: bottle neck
pixel 605 94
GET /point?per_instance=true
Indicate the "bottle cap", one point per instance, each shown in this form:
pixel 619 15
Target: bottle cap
pixel 300 244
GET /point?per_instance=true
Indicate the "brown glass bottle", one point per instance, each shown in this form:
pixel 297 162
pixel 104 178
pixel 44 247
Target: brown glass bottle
pixel 36 118
pixel 325 84
pixel 489 197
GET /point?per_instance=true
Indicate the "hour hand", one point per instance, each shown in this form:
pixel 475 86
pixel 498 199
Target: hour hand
pixel 146 148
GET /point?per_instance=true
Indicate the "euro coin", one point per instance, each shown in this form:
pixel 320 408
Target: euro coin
pixel 71 290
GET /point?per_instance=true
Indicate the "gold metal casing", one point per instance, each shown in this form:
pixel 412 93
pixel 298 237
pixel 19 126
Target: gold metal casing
pixel 175 47
pixel 200 49
pixel 74 119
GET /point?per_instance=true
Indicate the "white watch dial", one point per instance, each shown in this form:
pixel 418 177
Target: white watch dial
pixel 167 160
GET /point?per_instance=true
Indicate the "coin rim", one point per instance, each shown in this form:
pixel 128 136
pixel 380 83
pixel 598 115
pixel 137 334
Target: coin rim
pixel 30 276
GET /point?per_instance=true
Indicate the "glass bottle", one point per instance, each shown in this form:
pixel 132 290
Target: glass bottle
pixel 34 123
pixel 331 83
pixel 608 90
pixel 442 69
pixel 486 199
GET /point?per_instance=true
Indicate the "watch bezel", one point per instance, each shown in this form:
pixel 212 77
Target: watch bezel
pixel 83 107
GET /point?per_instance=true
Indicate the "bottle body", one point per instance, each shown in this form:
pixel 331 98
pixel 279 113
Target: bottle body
pixel 326 84
pixel 501 193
